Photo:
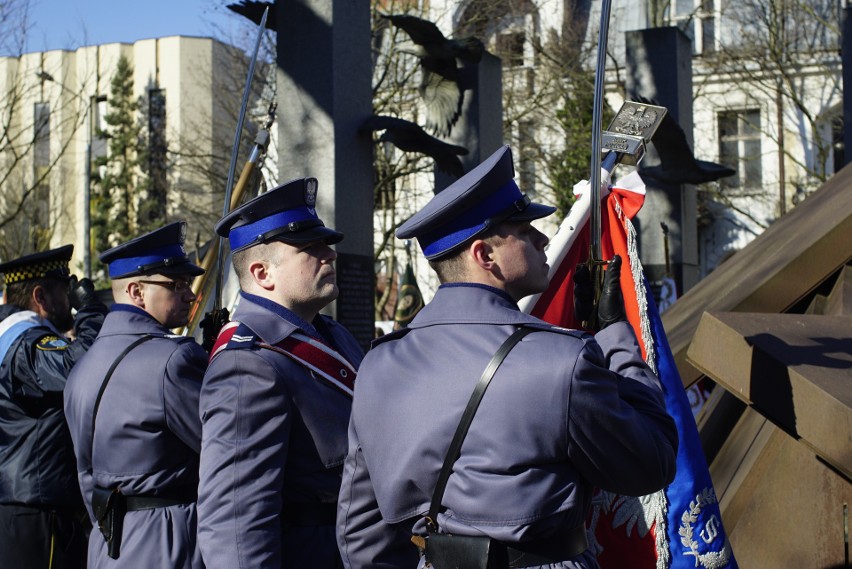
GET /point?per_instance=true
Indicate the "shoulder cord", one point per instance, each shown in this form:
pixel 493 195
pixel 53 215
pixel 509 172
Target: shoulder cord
pixel 109 373
pixel 461 431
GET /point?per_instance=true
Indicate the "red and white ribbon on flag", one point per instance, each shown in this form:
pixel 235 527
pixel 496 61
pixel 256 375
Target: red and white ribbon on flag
pixel 654 531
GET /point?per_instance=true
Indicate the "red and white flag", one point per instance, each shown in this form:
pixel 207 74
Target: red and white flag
pixel 680 526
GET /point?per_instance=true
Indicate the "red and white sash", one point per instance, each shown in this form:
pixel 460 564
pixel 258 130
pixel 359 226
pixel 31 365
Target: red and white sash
pixel 322 360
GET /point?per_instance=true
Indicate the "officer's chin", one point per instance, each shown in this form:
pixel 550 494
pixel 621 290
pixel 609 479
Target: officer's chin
pixel 333 291
pixel 177 322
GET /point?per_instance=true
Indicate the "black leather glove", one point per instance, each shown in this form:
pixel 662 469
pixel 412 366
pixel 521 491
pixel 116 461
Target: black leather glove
pixel 584 293
pixel 81 293
pixel 210 326
pixel 611 303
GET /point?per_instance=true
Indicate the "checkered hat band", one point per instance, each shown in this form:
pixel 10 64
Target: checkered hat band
pixel 37 271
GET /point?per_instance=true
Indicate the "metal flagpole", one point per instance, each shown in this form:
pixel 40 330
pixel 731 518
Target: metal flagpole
pixel 217 301
pixel 595 254
pixel 218 316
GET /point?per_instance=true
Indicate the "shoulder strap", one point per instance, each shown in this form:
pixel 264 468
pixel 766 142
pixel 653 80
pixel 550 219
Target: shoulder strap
pixel 461 431
pixel 109 373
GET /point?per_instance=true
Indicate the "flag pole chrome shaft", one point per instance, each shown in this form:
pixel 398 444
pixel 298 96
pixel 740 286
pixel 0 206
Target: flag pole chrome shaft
pixel 217 299
pixel 595 253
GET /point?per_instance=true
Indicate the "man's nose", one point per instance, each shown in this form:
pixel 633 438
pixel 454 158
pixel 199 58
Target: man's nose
pixel 541 239
pixel 331 255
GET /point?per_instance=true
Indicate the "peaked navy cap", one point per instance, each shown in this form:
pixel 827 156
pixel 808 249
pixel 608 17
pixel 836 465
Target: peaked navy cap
pixel 159 252
pixel 52 263
pixel 285 213
pixel 482 198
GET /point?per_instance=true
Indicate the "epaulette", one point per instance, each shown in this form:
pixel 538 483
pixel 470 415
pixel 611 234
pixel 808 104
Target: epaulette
pixel 395 335
pixel 545 327
pixel 179 338
pixel 233 335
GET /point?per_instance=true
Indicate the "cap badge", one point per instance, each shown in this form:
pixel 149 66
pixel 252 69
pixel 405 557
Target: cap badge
pixel 311 195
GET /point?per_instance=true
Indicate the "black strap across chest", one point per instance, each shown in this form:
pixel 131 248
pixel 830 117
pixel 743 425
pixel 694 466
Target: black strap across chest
pixel 464 425
pixel 109 373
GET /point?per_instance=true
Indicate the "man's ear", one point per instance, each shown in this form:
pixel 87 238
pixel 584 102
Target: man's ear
pixel 134 292
pixel 39 298
pixel 482 253
pixel 259 271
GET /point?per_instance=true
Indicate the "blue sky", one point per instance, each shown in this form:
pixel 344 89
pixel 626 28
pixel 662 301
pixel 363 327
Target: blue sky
pixel 69 24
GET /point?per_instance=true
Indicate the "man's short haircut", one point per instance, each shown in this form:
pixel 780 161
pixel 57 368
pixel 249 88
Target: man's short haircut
pixel 452 268
pixel 120 285
pixel 242 259
pixel 20 294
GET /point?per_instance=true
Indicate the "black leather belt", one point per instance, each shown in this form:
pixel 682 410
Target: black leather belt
pixel 302 514
pixel 561 546
pixel 136 503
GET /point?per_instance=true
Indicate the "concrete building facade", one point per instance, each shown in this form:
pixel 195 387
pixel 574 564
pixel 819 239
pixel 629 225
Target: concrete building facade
pixel 55 106
pixel 772 111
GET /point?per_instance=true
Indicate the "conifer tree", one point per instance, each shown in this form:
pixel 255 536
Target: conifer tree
pixel 117 178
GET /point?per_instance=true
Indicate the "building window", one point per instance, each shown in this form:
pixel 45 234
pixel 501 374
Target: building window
pixel 510 48
pixel 838 143
pixel 39 210
pixel 697 18
pixel 526 165
pixel 152 208
pixel 739 147
pixel 707 17
pixel 41 136
pixel 98 125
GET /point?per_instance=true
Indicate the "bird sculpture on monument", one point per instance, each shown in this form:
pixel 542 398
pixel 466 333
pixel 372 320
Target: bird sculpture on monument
pixel 253 10
pixel 678 164
pixel 410 137
pixel 440 84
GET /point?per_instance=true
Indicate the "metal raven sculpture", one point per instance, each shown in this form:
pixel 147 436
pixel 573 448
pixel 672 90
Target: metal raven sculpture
pixel 253 10
pixel 439 85
pixel 678 164
pixel 410 137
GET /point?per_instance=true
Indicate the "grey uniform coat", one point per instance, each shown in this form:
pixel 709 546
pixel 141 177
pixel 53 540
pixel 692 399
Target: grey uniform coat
pixel 147 437
pixel 564 413
pixel 274 436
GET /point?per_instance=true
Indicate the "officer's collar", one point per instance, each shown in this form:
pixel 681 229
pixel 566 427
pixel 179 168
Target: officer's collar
pixel 495 290
pixel 284 313
pixel 120 307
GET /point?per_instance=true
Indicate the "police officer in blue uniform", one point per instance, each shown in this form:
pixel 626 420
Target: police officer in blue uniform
pixel 564 413
pixel 277 394
pixel 42 520
pixel 132 407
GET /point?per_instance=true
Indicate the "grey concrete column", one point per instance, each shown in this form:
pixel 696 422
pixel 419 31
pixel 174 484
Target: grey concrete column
pixel 846 58
pixel 659 67
pixel 324 94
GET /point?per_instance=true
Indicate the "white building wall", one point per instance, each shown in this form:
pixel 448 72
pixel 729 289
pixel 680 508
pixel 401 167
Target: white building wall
pixel 185 67
pixel 818 84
